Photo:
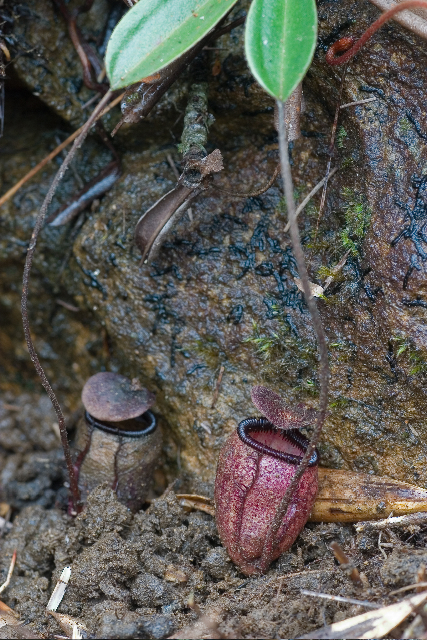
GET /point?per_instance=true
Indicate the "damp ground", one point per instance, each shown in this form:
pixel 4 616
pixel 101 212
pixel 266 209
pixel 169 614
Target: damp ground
pixel 163 572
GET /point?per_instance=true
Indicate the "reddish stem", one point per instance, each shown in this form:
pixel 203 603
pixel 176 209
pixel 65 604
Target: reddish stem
pixel 344 43
pixel 87 56
pixel 74 487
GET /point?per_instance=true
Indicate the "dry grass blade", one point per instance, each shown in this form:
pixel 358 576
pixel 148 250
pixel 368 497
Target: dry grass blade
pixel 328 596
pixel 72 627
pixel 374 624
pixel 9 573
pixel 59 590
pixel 400 521
pixel 217 386
pixel 357 102
pixel 408 587
pixel 190 502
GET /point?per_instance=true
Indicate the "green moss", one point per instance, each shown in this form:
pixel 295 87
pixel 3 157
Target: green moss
pixel 341 135
pixel 347 162
pixel 285 356
pixel 342 351
pixel 340 403
pixel 357 218
pixel 209 350
pixel 404 125
pixel 409 356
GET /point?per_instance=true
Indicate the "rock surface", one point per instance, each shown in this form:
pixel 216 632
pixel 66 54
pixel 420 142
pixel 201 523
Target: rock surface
pixel 222 290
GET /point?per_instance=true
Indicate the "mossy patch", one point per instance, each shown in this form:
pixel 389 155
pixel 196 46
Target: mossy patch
pixel 341 136
pixel 285 356
pixel 357 218
pixel 408 356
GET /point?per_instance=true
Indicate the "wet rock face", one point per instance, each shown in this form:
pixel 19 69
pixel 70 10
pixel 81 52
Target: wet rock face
pixel 49 66
pixel 222 290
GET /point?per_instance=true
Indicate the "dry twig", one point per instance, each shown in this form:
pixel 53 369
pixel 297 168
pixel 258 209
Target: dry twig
pixel 328 596
pixel 345 562
pixel 217 386
pixel 399 521
pixel 11 192
pixel 408 587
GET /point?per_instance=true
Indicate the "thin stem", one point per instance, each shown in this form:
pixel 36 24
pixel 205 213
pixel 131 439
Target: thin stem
pixel 355 48
pixel 75 492
pixel 331 150
pixel 312 193
pixel 282 509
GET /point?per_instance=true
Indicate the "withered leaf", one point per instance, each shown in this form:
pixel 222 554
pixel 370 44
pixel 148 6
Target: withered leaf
pixel 274 408
pixel 154 221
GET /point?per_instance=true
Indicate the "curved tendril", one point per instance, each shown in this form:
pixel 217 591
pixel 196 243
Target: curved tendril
pixel 352 47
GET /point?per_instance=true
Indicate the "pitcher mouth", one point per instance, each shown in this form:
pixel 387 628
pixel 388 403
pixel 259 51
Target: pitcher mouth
pixel 137 427
pixel 292 436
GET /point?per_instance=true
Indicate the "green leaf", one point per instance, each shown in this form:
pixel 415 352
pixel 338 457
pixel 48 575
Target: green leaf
pixel 279 41
pixel 153 33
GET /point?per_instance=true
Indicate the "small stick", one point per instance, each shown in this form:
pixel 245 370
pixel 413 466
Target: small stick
pixel 9 573
pixel 380 546
pixel 75 491
pixel 398 521
pixel 172 166
pixel 343 559
pixel 67 305
pixel 279 588
pixel 421 578
pixel 312 193
pixel 353 104
pixel 336 269
pixel 10 407
pixel 91 101
pixel 217 386
pixel 11 192
pixel 251 194
pixel 327 596
pixel 331 150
